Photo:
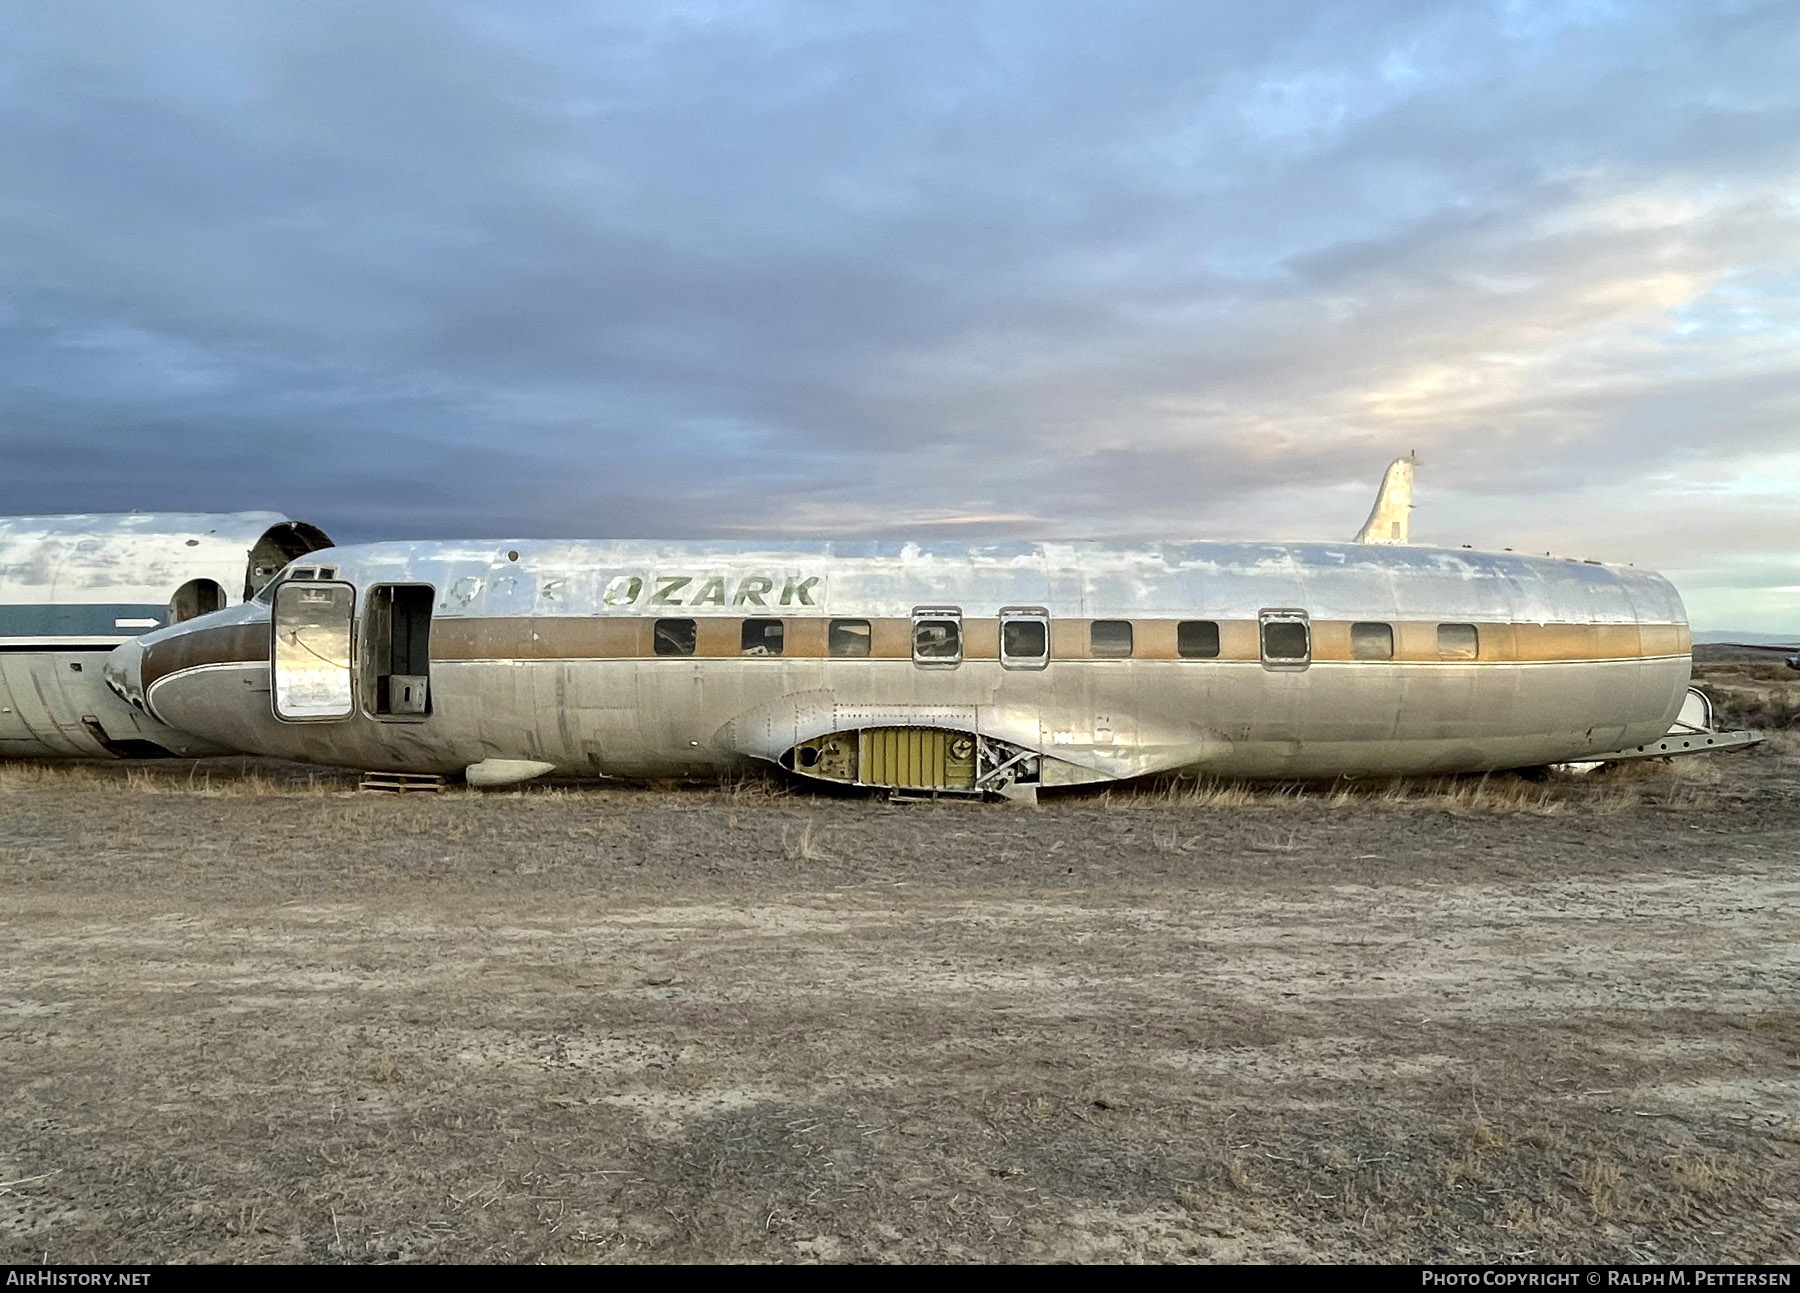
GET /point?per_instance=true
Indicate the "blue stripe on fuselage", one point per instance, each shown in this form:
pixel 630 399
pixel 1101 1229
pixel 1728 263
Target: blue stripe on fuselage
pixel 79 620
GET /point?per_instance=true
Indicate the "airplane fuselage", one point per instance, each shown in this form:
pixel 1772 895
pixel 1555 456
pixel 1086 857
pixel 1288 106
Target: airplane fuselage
pixel 74 587
pixel 943 666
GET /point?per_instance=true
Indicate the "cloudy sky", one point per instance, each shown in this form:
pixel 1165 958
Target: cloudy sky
pixel 1035 269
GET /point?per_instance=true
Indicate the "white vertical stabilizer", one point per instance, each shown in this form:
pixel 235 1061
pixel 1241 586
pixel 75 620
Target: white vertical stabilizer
pixel 1390 521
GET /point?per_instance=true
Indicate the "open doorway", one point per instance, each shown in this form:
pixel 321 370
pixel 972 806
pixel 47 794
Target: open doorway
pixel 398 629
pixel 279 545
pixel 195 598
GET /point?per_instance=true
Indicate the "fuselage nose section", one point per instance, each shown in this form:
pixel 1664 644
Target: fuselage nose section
pixel 136 670
pixel 124 673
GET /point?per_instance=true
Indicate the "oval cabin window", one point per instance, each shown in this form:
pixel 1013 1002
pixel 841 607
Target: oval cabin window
pixel 1110 639
pixel 674 637
pixel 937 640
pixel 1024 637
pixel 1372 641
pixel 764 637
pixel 1286 641
pixel 937 636
pixel 1197 640
pixel 1458 642
pixel 848 639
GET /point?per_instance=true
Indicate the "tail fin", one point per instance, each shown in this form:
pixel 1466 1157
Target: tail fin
pixel 1390 520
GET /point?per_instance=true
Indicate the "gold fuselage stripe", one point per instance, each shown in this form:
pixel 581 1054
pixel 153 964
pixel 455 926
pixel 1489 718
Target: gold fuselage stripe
pixel 890 638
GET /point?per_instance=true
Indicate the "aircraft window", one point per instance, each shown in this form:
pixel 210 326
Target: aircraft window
pixel 674 637
pixel 1109 639
pixel 266 594
pixel 1025 638
pixel 848 638
pixel 763 637
pixel 937 636
pixel 937 640
pixel 1286 639
pixel 1197 640
pixel 1372 641
pixel 1458 642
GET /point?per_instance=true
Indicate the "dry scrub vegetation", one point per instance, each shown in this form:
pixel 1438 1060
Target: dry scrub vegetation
pixel 247 1013
pixel 1692 783
pixel 1759 694
pixel 1680 783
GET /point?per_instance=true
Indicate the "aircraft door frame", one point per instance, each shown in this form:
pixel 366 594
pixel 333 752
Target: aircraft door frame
pixel 395 646
pixel 312 634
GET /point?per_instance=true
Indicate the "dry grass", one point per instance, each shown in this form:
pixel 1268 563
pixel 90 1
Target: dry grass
pixel 1683 783
pixel 1757 695
pixel 1599 1180
pixel 1690 782
pixel 803 845
pixel 1209 793
pixel 212 778
pixel 1786 743
pixel 250 782
pixel 18 775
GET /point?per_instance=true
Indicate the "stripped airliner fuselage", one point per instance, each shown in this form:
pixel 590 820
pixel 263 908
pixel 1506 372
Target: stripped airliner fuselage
pixel 928 667
pixel 74 587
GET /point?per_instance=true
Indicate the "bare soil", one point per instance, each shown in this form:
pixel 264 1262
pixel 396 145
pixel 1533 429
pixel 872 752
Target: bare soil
pixel 249 1014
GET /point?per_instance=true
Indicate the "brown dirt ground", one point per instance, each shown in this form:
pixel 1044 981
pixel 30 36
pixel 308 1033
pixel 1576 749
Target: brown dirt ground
pixel 247 1014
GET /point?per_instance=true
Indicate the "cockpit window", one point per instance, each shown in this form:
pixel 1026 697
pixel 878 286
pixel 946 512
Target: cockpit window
pixel 293 572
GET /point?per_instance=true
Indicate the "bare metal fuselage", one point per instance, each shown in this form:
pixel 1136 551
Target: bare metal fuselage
pixel 74 587
pixel 647 659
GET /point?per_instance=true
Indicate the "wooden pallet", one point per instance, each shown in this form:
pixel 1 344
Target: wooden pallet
pixel 399 783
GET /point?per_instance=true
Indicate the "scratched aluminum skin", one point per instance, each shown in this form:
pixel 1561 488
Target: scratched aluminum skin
pixel 73 587
pixel 1097 720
